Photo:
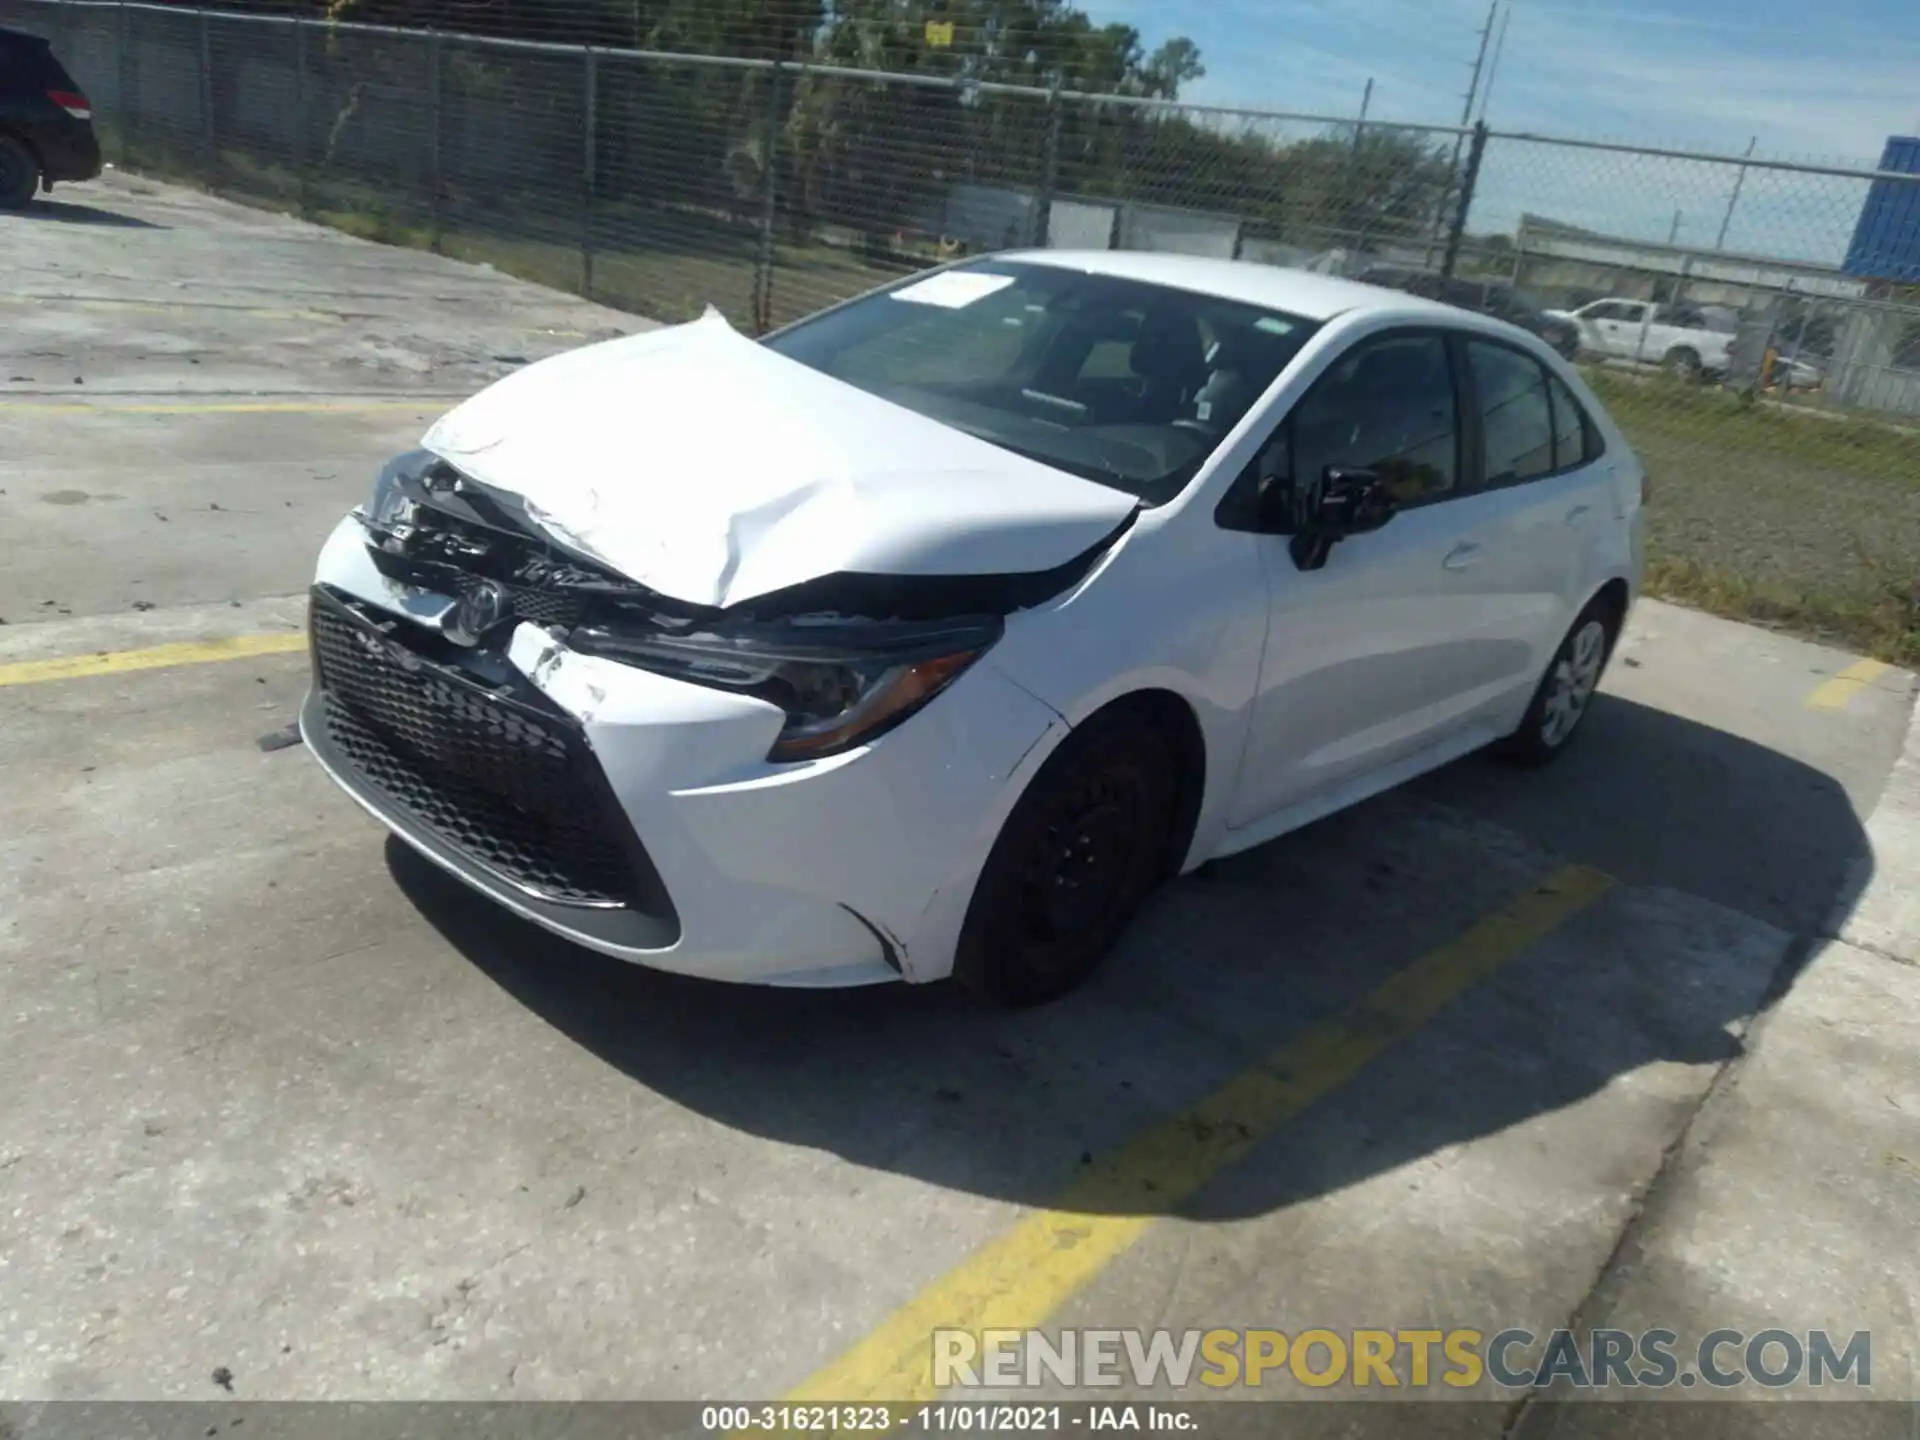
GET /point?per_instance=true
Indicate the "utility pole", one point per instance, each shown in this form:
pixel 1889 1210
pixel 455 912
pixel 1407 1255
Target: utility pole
pixel 1479 64
pixel 1493 70
pixel 1466 119
pixel 1673 235
pixel 1739 181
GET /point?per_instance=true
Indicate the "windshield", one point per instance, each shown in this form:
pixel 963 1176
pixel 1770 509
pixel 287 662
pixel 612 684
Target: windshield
pixel 1129 384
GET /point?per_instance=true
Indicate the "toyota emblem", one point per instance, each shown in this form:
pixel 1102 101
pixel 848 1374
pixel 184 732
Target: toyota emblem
pixel 479 610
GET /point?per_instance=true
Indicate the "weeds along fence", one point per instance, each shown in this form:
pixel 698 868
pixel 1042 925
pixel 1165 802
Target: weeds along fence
pixel 1771 377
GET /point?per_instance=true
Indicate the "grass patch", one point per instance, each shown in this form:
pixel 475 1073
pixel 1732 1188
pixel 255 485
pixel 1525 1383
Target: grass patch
pixel 1885 625
pixel 1662 409
pixel 1802 522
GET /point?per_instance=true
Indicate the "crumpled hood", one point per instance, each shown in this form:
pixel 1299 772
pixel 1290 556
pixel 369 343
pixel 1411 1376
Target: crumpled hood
pixel 713 470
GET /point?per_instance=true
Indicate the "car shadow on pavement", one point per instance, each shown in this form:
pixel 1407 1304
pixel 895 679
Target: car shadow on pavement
pixel 66 212
pixel 1228 964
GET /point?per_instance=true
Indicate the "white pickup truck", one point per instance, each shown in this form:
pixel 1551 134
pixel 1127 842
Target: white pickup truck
pixel 1687 339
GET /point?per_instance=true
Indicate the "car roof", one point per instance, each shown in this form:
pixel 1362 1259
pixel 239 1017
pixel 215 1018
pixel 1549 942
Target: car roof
pixel 1297 292
pixel 27 37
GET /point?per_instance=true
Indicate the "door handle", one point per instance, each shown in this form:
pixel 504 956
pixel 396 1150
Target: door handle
pixel 1578 513
pixel 1463 556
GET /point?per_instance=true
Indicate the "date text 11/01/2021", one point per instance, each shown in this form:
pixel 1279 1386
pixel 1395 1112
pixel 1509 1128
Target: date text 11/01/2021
pixel 945 1418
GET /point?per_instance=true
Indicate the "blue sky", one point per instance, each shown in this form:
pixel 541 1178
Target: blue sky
pixel 1809 79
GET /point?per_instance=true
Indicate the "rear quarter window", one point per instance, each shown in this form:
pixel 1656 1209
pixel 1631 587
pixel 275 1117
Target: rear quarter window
pixel 1576 438
pixel 53 74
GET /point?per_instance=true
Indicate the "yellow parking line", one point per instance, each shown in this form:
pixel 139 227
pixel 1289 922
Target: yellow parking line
pixel 226 407
pixel 118 662
pixel 1835 692
pixel 1019 1280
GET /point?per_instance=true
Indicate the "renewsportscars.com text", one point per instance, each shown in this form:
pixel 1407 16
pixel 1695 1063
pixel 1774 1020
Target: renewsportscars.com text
pixel 1394 1359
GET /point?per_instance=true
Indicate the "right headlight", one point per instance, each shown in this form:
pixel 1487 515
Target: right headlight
pixel 841 683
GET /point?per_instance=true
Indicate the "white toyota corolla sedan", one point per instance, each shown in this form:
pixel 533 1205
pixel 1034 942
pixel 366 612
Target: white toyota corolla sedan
pixel 927 636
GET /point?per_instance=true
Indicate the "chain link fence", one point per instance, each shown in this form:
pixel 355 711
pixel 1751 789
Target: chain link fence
pixel 1772 387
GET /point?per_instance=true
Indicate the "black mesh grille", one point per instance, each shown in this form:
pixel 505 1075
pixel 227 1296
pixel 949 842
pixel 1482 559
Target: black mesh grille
pixel 542 607
pixel 512 787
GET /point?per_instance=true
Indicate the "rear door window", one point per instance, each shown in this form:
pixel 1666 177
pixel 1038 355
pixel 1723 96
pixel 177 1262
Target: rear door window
pixel 1516 417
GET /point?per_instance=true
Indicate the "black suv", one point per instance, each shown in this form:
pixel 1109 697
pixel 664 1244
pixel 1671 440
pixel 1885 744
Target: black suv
pixel 1489 297
pixel 46 125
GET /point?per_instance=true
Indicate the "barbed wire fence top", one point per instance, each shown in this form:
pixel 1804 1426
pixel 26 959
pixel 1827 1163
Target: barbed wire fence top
pixel 771 157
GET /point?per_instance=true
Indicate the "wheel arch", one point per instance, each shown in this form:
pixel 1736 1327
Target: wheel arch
pixel 14 132
pixel 1616 597
pixel 1173 716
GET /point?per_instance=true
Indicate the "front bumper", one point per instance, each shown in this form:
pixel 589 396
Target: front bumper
pixel 638 815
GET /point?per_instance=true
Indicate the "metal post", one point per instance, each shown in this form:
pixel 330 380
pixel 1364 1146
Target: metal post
pixel 1739 182
pixel 1356 189
pixel 300 114
pixel 1050 173
pixel 434 178
pixel 124 120
pixel 1469 180
pixel 1646 325
pixel 769 202
pixel 206 92
pixel 590 174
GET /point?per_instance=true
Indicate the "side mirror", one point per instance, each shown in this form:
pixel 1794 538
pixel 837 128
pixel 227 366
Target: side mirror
pixel 1354 502
pixel 1344 503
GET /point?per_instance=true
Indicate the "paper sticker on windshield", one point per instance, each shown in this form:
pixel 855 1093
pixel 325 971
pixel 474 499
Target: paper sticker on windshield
pixel 954 289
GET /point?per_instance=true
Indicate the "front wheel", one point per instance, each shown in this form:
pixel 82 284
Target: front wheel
pixel 19 174
pixel 1083 848
pixel 1566 691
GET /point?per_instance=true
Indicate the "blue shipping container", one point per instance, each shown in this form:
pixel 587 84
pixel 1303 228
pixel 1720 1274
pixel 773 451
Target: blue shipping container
pixel 1886 242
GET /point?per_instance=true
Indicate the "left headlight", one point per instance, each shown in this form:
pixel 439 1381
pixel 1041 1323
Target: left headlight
pixel 842 684
pixel 391 507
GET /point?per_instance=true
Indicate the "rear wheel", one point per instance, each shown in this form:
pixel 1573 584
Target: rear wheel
pixel 1684 363
pixel 1085 845
pixel 19 173
pixel 1566 691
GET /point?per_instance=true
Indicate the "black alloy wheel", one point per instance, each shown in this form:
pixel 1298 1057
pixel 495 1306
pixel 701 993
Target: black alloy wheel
pixel 1083 848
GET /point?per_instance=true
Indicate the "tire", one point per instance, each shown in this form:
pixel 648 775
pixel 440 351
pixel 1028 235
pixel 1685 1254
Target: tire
pixel 1083 848
pixel 1684 363
pixel 19 174
pixel 1565 693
